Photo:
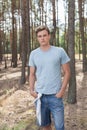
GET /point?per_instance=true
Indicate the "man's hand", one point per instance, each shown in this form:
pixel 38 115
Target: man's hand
pixel 60 94
pixel 34 94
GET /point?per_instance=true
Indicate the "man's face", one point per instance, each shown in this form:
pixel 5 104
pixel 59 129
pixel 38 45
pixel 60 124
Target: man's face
pixel 43 38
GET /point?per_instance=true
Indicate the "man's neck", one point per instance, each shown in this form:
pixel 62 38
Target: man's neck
pixel 45 47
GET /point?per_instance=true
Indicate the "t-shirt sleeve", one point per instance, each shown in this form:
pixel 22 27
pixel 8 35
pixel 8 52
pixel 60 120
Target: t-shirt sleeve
pixel 31 60
pixel 64 57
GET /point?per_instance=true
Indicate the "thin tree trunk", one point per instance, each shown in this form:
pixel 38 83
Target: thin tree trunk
pixel 14 36
pixel 57 41
pixel 81 19
pixel 0 46
pixel 54 23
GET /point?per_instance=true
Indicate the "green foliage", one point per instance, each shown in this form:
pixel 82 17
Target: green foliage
pixel 4 127
pixel 21 125
pixel 63 42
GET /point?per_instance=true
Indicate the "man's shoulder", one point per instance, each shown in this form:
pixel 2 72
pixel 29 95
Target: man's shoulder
pixel 35 50
pixel 57 48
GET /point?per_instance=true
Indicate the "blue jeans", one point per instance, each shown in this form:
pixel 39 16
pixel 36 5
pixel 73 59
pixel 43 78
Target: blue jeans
pixel 51 105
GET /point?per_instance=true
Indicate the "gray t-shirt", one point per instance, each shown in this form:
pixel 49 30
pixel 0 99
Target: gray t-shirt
pixel 48 68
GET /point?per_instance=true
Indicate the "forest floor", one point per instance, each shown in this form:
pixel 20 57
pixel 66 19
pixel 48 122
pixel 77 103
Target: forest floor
pixel 17 110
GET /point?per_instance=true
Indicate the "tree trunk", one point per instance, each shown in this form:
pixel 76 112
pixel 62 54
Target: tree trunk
pixel 26 37
pixel 71 42
pixel 14 36
pixel 81 20
pixel 57 31
pixel 0 46
pixel 54 24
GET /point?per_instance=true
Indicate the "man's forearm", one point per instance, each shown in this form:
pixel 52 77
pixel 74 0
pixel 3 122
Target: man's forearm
pixel 65 82
pixel 64 85
pixel 66 69
pixel 31 85
pixel 31 82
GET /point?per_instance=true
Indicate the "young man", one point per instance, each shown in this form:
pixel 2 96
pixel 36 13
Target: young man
pixel 45 67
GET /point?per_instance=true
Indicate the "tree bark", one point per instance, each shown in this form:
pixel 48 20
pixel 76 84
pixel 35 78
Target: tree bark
pixel 71 51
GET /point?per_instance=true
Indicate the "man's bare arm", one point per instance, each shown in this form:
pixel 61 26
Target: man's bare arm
pixel 32 79
pixel 66 70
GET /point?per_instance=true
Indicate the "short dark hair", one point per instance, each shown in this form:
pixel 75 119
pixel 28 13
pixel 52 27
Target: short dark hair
pixel 41 28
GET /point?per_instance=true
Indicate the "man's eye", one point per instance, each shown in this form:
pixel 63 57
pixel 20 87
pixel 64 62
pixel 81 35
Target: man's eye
pixel 42 36
pixel 39 36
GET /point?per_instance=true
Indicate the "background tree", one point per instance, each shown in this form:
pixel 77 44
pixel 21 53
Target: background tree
pixel 14 35
pixel 71 51
pixel 54 23
pixel 0 47
pixel 26 36
pixel 83 41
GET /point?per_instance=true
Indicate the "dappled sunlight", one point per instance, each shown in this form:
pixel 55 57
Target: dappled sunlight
pixel 10 76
